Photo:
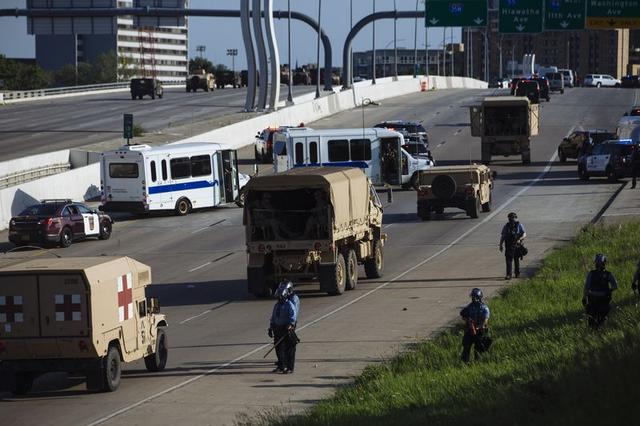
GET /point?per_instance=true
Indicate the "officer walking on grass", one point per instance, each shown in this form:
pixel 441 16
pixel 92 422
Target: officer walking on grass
pixel 511 238
pixel 598 287
pixel 476 316
pixel 635 282
pixel 282 327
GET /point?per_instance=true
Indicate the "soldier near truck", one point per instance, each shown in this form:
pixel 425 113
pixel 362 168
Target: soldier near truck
pixel 79 315
pixel 312 223
pixel 505 125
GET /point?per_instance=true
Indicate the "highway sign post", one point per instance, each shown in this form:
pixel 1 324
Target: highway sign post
pixel 461 13
pixel 564 14
pixel 520 16
pixel 128 127
pixel 608 14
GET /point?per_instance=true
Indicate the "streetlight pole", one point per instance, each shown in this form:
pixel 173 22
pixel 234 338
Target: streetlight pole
pixel 501 56
pixel 452 55
pixel 318 50
pixel 351 50
pixel 395 41
pixel 444 51
pixel 415 43
pixel 289 94
pixel 200 49
pixel 233 53
pixel 373 62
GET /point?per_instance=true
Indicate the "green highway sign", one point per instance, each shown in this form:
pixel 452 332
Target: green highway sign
pixel 613 14
pixel 521 16
pixel 128 126
pixel 461 13
pixel 564 14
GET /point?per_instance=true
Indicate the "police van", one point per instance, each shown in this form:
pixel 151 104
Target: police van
pixel 179 177
pixel 378 152
pixel 612 159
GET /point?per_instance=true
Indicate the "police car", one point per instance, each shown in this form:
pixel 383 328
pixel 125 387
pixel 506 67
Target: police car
pixel 612 159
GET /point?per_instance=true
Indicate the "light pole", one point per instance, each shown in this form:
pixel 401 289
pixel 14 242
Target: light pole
pixel 415 43
pixel 395 41
pixel 289 94
pixel 318 51
pixel 384 62
pixel 444 51
pixel 373 62
pixel 200 49
pixel 233 53
pixel 351 50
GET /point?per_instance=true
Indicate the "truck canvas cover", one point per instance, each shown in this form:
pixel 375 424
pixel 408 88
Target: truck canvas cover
pixel 348 190
pixel 44 302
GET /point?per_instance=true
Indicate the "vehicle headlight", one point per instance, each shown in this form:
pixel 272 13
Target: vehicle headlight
pixel 12 222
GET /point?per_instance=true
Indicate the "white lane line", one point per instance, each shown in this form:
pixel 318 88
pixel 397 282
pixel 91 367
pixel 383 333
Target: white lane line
pixel 200 229
pixel 199 267
pixel 196 316
pixel 338 309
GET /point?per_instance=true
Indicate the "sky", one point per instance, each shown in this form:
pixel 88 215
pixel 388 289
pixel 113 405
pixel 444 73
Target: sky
pixel 220 34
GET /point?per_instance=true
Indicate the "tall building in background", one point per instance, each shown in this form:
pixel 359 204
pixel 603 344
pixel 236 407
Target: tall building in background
pixel 586 52
pixel 162 51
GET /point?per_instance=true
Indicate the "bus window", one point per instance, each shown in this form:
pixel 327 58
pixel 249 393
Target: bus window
pixel 313 152
pixel 299 153
pixel 200 165
pixel 164 169
pixel 123 170
pixel 154 174
pixel 180 168
pixel 338 150
pixel 360 149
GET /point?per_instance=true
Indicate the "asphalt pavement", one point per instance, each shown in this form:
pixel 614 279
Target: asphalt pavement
pixel 216 373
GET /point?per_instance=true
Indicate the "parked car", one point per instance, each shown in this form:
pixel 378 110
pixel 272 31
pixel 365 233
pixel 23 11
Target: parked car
pixel 140 87
pixel 568 76
pixel 58 222
pixel 417 149
pixel 530 89
pixel 543 83
pixel 556 82
pixel 499 83
pixel 630 81
pixel 513 84
pixel 600 80
pixel 574 145
pixel 409 129
pixel 611 159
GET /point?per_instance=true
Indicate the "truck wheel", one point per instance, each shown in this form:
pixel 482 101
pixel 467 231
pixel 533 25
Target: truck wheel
pixel 183 207
pixel 23 383
pixel 526 156
pixel 333 277
pixel 111 369
pixel 561 156
pixel 413 183
pixel 153 95
pixel 374 266
pixel 66 237
pixel 158 360
pixel 485 153
pixel 486 207
pixel 424 211
pixel 188 89
pixel 133 97
pixel 582 174
pixel 562 91
pixel 473 208
pixel 105 230
pixel 352 269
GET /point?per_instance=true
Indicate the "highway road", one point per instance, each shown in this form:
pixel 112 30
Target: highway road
pixel 37 127
pixel 216 372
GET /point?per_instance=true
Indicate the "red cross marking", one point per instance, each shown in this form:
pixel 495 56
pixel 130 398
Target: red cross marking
pixel 125 296
pixel 68 307
pixel 10 309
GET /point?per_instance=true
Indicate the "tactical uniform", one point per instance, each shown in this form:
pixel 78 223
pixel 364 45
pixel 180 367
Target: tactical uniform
pixel 598 287
pixel 282 327
pixel 512 234
pixel 476 314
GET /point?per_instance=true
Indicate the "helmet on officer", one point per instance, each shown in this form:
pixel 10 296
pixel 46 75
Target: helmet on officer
pixel 284 291
pixel 600 261
pixel 512 217
pixel 476 295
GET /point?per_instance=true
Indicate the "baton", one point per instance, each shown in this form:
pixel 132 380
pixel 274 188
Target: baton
pixel 274 346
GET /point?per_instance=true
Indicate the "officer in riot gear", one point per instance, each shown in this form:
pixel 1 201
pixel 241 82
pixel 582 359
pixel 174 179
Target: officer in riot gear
pixel 511 238
pixel 282 327
pixel 476 316
pixel 598 287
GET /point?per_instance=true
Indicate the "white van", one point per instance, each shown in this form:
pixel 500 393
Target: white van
pixel 179 177
pixel 378 152
pixel 568 77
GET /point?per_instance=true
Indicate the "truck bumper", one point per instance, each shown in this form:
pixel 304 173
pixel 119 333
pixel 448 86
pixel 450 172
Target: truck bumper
pixel 123 207
pixel 69 365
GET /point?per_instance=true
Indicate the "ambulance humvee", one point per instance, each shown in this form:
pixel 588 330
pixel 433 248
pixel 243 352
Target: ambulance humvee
pixel 84 315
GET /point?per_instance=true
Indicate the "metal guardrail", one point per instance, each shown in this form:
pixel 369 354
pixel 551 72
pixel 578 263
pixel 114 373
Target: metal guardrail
pixel 15 95
pixel 32 174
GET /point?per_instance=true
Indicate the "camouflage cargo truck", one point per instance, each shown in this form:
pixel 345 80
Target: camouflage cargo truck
pixel 83 315
pixel 312 223
pixel 505 125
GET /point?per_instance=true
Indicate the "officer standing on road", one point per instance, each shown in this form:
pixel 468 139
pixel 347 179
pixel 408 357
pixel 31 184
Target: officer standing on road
pixel 512 236
pixel 282 328
pixel 476 316
pixel 598 287
pixel 635 165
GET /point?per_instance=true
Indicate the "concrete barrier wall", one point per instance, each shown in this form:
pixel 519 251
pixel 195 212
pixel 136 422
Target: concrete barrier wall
pixel 77 184
pixel 33 162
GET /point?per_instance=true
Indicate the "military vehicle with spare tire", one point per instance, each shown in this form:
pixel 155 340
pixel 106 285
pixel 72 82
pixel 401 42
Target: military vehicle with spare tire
pixel 201 79
pixel 466 187
pixel 83 315
pixel 312 223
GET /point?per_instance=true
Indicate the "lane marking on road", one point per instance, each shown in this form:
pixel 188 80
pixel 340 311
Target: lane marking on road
pixel 210 262
pixel 205 312
pixel 199 267
pixel 440 144
pixel 208 226
pixel 336 310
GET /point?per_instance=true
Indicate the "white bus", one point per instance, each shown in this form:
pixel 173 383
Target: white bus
pixel 179 177
pixel 378 152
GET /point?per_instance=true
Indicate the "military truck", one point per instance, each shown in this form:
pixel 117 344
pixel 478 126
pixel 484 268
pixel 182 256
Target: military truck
pixel 224 78
pixel 312 223
pixel 140 87
pixel 466 187
pixel 83 315
pixel 201 79
pixel 506 125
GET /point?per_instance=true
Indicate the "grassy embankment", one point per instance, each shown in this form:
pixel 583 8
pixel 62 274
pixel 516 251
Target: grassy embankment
pixel 545 367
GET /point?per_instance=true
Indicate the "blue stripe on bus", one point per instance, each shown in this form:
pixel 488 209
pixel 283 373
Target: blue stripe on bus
pixel 160 189
pixel 359 164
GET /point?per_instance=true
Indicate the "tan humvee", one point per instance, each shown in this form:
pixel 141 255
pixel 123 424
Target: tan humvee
pixel 505 125
pixel 84 315
pixel 465 187
pixel 200 79
pixel 312 222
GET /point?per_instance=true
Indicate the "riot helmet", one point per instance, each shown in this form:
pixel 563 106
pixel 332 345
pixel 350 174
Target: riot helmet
pixel 476 295
pixel 512 217
pixel 600 261
pixel 285 289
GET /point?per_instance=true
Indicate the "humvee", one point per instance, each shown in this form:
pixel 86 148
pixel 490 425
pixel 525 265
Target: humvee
pixel 465 187
pixel 140 87
pixel 200 79
pixel 83 315
pixel 312 223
